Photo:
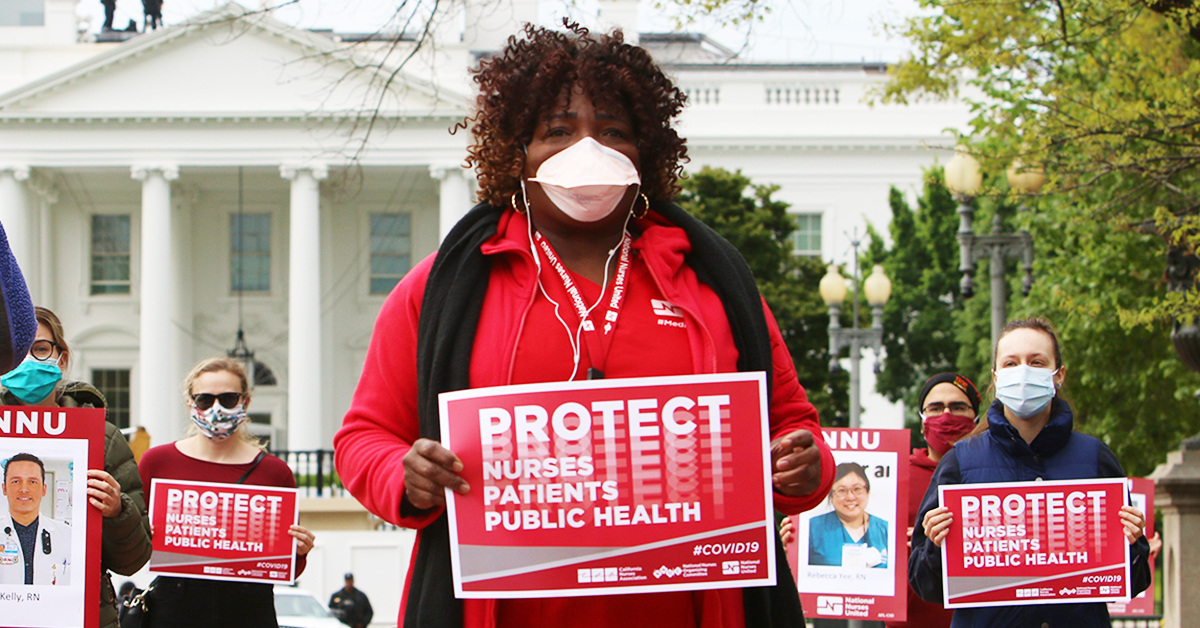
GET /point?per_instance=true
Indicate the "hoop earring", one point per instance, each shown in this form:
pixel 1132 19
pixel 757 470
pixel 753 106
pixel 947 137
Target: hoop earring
pixel 517 208
pixel 645 206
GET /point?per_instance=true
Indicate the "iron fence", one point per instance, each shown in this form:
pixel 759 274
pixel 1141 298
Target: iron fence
pixel 314 471
pixel 1148 621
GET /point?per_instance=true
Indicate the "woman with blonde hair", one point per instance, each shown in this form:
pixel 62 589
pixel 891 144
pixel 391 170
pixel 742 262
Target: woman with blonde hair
pixel 115 490
pixel 217 393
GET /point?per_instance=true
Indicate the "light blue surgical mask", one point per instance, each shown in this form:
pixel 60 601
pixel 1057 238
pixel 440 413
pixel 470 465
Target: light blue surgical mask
pixel 33 380
pixel 1025 390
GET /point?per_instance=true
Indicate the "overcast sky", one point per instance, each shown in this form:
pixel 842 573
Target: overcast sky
pixel 795 31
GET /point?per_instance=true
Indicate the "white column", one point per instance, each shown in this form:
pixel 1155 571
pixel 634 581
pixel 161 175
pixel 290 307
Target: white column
pixel 183 198
pixel 304 308
pixel 15 215
pixel 454 197
pixel 41 197
pixel 158 376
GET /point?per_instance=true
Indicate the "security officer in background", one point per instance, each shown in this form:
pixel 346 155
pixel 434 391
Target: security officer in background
pixel 33 549
pixel 351 605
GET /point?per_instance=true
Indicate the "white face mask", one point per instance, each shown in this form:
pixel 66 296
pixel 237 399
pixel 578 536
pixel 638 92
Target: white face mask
pixel 587 179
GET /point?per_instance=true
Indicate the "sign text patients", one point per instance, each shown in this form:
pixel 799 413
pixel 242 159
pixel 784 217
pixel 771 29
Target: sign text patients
pixel 570 422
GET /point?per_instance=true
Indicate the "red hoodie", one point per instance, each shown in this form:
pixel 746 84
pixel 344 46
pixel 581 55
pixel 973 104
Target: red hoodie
pixel 921 614
pixel 519 340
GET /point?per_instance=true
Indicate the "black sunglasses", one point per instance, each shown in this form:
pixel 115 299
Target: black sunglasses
pixel 205 401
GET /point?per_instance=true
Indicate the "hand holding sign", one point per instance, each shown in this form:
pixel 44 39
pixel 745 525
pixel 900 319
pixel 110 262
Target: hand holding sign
pixel 796 464
pixel 429 469
pixel 1134 522
pixel 304 539
pixel 104 492
pixel 937 524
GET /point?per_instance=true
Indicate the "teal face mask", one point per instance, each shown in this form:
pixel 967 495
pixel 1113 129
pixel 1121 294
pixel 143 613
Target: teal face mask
pixel 33 380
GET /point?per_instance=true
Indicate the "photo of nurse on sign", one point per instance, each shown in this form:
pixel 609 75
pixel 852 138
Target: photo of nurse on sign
pixel 849 536
pixel 36 516
pixel 848 543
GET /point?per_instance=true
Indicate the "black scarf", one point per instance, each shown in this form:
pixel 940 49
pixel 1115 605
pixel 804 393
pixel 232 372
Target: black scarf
pixel 445 338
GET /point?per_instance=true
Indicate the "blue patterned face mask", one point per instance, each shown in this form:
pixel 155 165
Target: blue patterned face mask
pixel 33 380
pixel 218 423
pixel 1024 389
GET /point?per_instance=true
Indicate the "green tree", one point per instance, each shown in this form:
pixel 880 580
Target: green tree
pixel 1098 93
pixel 1101 94
pixel 745 214
pixel 923 319
pixel 1124 383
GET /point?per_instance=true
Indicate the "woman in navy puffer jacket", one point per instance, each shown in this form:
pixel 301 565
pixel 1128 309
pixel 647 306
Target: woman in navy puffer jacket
pixel 1028 437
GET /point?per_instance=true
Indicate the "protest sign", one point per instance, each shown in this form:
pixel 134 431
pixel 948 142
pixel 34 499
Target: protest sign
pixel 46 453
pixel 1019 543
pixel 861 575
pixel 235 532
pixel 611 486
pixel 1141 496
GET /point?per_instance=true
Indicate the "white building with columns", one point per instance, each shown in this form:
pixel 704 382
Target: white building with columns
pixel 234 171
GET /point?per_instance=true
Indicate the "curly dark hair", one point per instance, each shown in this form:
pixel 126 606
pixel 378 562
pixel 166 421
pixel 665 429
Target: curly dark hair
pixel 533 75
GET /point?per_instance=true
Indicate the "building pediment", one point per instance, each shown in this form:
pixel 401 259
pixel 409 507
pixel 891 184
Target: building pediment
pixel 231 63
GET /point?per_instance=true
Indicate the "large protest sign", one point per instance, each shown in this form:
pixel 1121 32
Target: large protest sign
pixel 1141 496
pixel 611 486
pixel 1035 543
pixel 849 557
pixel 236 532
pixel 51 577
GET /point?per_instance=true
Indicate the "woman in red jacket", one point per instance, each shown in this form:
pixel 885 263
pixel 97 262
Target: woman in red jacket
pixel 506 301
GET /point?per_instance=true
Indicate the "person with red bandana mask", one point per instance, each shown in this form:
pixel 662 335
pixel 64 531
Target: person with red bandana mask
pixel 949 403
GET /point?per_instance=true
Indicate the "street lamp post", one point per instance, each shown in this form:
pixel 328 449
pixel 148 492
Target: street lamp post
pixel 963 178
pixel 833 290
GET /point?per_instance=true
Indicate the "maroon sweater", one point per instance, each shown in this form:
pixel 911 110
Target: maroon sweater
pixel 168 463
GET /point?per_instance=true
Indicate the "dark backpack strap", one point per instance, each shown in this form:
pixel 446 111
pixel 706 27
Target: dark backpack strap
pixel 253 466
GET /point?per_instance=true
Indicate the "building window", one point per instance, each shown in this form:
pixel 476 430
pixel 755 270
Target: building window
pixel 391 236
pixel 110 254
pixel 23 13
pixel 806 239
pixel 250 252
pixel 114 385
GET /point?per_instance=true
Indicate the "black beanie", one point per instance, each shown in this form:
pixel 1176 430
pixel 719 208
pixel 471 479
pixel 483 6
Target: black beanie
pixel 959 381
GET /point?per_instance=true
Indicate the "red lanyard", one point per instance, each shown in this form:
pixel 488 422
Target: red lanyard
pixel 598 344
